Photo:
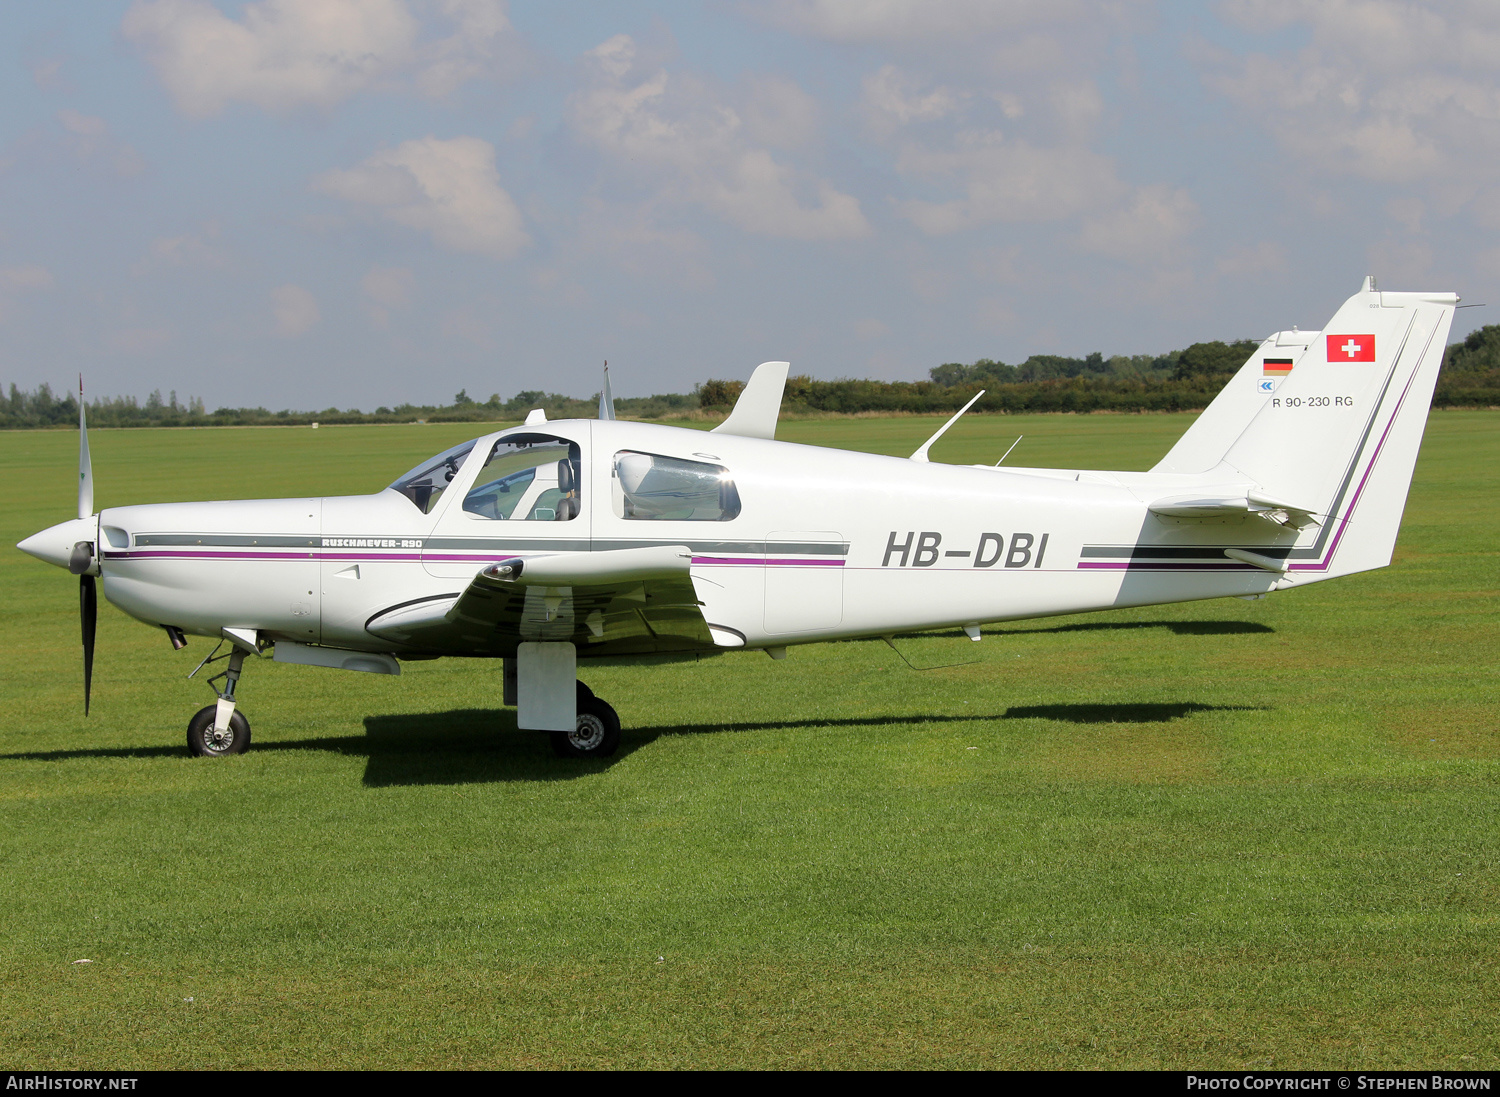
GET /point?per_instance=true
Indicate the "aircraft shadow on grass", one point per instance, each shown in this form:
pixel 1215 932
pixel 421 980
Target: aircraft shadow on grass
pixel 480 746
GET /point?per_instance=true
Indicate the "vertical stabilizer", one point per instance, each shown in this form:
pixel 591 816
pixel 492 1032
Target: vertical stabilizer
pixel 1225 419
pixel 1339 434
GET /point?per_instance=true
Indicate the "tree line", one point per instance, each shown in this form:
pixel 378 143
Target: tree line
pixel 1182 380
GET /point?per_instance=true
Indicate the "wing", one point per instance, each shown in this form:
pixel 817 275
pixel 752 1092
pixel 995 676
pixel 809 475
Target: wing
pixel 617 602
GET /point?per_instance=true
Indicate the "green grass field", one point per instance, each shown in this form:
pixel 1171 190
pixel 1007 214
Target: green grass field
pixel 1223 835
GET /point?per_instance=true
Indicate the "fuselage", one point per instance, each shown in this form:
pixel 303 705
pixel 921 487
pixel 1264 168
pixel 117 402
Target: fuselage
pixel 820 544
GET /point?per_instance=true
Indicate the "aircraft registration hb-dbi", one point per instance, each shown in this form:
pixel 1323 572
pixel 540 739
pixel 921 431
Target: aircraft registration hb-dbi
pixel 552 543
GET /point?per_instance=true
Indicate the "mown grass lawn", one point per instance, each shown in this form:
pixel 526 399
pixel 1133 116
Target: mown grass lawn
pixel 1221 834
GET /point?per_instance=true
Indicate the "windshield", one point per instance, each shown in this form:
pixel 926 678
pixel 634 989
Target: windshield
pixel 425 484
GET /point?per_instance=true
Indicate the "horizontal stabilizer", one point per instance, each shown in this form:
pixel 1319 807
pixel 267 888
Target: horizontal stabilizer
pixel 1235 506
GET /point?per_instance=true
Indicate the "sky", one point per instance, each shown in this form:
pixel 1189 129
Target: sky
pixel 352 203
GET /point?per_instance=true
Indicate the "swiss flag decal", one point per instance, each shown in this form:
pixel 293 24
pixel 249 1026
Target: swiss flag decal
pixel 1351 348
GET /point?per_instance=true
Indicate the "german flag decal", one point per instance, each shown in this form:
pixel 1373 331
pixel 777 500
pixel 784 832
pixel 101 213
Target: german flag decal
pixel 1277 367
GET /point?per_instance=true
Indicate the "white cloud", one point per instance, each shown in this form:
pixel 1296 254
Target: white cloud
pixel 81 124
pixel 1147 229
pixel 387 288
pixel 893 99
pixel 637 245
pixel 1078 106
pixel 20 279
pixel 47 74
pixel 193 250
pixel 779 113
pixel 679 135
pixel 1400 262
pixel 447 188
pixel 478 48
pixel 1009 181
pixel 1266 256
pixel 89 135
pixel 139 340
pixel 24 278
pixel 902 21
pixel 1488 262
pixel 286 54
pixel 1398 92
pixel 294 309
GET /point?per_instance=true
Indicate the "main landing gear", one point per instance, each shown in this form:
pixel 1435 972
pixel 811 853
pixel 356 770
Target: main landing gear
pixel 595 734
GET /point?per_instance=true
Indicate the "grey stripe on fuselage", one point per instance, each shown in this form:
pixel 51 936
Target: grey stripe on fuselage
pixel 226 540
pixel 490 544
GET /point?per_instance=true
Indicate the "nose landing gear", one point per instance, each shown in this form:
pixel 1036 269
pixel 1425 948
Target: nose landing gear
pixel 219 729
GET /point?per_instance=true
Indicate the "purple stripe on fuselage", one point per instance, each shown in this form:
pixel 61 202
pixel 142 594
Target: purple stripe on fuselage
pixel 204 554
pixel 751 561
pixel 1150 565
pixel 431 557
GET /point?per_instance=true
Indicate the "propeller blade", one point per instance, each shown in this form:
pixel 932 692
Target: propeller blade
pixel 85 466
pixel 88 612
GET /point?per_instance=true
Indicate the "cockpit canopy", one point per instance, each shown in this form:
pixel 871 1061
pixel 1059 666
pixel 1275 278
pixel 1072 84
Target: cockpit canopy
pixel 536 477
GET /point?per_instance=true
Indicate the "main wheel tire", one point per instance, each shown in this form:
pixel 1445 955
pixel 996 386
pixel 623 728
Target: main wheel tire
pixel 202 742
pixel 584 693
pixel 596 733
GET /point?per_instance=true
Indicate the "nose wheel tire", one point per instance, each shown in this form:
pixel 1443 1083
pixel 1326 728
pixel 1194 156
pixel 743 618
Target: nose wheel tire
pixel 595 734
pixel 204 743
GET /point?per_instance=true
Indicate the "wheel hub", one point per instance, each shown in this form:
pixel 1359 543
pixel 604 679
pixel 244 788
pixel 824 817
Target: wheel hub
pixel 588 733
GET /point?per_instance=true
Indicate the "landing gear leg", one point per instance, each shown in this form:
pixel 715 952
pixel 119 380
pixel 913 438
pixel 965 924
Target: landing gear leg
pixel 219 729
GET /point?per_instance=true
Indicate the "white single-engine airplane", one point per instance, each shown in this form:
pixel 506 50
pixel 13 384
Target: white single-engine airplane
pixel 553 542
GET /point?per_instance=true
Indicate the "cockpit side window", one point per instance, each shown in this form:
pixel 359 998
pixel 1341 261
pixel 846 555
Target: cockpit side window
pixel 648 487
pixel 528 477
pixel 425 484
